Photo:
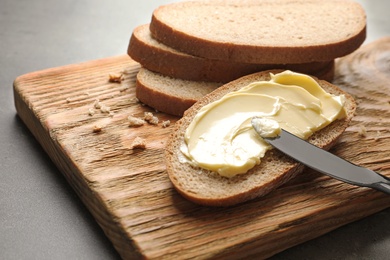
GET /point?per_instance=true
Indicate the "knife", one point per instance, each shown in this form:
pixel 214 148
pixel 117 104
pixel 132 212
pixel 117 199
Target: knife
pixel 324 161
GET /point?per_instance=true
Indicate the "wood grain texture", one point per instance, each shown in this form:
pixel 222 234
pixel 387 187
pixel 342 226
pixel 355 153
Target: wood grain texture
pixel 131 197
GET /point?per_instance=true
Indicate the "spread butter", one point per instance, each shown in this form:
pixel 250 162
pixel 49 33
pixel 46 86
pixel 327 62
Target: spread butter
pixel 221 138
pixel 266 127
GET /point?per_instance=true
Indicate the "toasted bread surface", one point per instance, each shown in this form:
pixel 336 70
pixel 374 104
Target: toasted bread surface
pixel 262 31
pixel 209 188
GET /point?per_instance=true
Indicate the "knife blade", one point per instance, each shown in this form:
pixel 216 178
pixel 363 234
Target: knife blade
pixel 326 162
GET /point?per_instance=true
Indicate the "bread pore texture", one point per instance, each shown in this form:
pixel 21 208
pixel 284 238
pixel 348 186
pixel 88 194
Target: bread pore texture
pixel 208 188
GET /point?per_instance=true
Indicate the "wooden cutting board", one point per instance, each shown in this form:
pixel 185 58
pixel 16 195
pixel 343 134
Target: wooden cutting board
pixel 131 197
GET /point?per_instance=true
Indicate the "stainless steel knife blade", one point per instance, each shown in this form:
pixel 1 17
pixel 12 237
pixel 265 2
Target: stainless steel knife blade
pixel 326 162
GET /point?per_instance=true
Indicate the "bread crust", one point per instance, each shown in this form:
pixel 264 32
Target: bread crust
pixel 209 188
pixel 336 34
pixel 165 60
pixel 168 95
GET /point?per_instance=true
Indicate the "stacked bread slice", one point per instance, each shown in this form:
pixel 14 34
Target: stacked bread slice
pixel 191 48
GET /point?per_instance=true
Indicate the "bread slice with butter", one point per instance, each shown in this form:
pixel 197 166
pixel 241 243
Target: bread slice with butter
pixel 209 188
pixel 263 32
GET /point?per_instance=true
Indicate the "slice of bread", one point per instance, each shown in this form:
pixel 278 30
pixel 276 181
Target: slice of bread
pixel 263 32
pixel 165 60
pixel 209 188
pixel 168 95
pixel 174 96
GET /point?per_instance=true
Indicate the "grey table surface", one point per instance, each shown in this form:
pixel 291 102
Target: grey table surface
pixel 40 215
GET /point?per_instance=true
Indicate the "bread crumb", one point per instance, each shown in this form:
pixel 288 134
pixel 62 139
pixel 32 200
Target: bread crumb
pixel 68 100
pixel 97 128
pixel 135 121
pixel 153 121
pixel 115 77
pixel 166 123
pixel 150 118
pixel 362 131
pixel 91 111
pixel 97 104
pixel 138 143
pixel 104 108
